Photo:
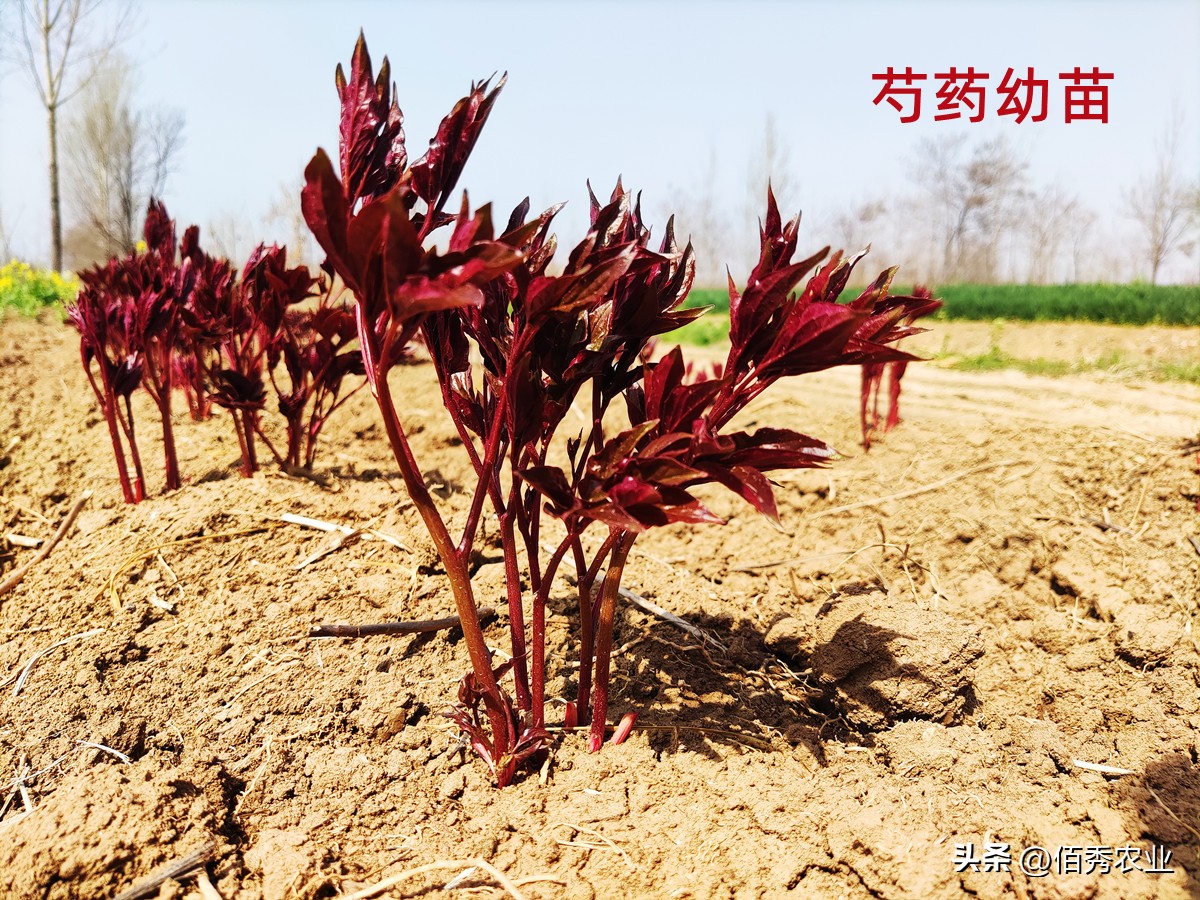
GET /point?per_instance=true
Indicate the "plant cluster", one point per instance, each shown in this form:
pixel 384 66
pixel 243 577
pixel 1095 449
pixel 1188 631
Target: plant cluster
pixel 27 291
pixel 517 340
pixel 171 316
pixel 873 374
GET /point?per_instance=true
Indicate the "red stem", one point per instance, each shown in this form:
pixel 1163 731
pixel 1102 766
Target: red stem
pixel 492 451
pixel 516 610
pixel 295 431
pixel 895 371
pixel 604 634
pixel 455 565
pixel 247 468
pixel 119 453
pixel 169 454
pixel 107 404
pixel 583 696
pixel 317 421
pixel 585 580
pixel 139 483
pixel 158 386
pixel 546 581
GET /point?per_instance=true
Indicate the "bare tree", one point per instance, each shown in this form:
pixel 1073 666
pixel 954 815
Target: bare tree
pixel 699 218
pixel 865 223
pixel 1079 233
pixel 229 236
pixel 1192 248
pixel 65 44
pixel 5 242
pixel 1047 224
pixel 286 216
pixel 996 178
pixel 858 225
pixel 1160 202
pixel 975 200
pixel 117 158
pixel 770 163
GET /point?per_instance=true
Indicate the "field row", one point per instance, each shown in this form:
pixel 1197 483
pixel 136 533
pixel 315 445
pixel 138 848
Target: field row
pixel 1115 304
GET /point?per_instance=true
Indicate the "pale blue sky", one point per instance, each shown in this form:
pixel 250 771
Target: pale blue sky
pixel 649 90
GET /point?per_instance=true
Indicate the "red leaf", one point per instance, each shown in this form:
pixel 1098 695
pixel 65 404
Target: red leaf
pixel 436 173
pixel 326 211
pixel 371 129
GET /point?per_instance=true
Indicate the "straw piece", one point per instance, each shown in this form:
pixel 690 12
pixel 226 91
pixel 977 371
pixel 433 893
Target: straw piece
pixel 15 578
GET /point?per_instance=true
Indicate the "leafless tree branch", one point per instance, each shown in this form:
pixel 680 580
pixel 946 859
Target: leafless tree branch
pixel 117 158
pixel 976 201
pixel 65 44
pixel 1161 201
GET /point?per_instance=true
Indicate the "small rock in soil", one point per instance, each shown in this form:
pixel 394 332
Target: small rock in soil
pixel 1145 639
pixel 1073 576
pixel 886 660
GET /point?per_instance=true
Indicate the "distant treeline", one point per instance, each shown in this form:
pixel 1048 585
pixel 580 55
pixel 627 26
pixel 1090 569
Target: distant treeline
pixel 1120 304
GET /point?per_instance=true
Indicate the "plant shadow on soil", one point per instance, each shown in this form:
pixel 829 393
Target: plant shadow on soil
pixel 1163 806
pixel 691 696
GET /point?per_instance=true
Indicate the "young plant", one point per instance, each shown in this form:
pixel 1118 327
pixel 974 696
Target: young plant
pixel 872 381
pixel 163 291
pixel 232 342
pixel 239 331
pixel 197 347
pixel 128 317
pixel 314 346
pixel 679 436
pixel 373 237
pixel 113 365
pixel 547 343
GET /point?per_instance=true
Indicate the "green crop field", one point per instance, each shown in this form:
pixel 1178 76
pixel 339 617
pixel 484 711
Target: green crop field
pixel 1117 304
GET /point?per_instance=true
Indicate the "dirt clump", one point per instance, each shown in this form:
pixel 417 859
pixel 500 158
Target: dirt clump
pixel 887 661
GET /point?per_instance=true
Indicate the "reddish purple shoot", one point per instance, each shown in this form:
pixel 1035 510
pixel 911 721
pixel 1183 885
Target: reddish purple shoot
pixel 873 375
pixel 128 317
pixel 173 316
pixel 241 333
pixel 514 348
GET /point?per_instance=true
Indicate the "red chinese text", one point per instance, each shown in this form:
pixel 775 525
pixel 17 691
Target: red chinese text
pixel 961 93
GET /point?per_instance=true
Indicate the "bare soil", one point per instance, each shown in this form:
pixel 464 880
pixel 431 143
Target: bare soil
pixel 893 679
pixel 1068 341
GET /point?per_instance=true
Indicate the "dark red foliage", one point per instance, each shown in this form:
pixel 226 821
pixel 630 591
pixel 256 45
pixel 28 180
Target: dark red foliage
pixel 519 745
pixel 367 223
pixel 105 339
pixel 240 332
pixel 128 314
pixel 372 128
pixel 678 436
pixel 873 374
pixel 189 377
pixel 547 343
pixel 435 174
pixel 676 441
pixel 203 327
pixel 315 348
pixel 174 316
